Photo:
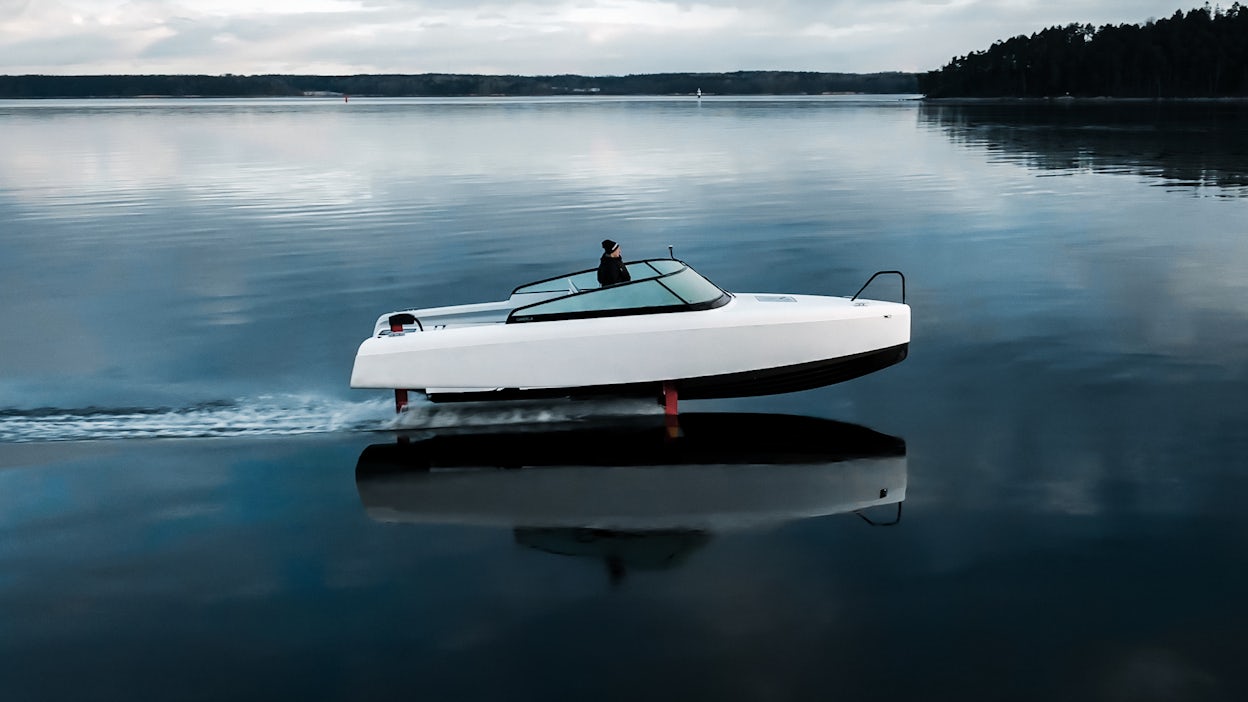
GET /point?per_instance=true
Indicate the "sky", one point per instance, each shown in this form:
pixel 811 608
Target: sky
pixel 533 37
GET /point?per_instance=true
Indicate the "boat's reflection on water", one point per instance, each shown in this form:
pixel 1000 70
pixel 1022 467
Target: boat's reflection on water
pixel 629 493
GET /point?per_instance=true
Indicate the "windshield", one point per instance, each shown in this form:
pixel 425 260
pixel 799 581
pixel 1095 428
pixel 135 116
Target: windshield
pixel 658 286
pixel 588 280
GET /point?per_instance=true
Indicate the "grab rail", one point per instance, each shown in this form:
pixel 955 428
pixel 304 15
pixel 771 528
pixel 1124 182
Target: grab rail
pixel 879 273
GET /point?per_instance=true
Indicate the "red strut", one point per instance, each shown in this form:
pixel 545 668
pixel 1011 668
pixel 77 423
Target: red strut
pixel 670 398
pixel 670 418
pixel 400 396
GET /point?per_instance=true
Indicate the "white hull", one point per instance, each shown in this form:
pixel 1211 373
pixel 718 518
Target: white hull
pixel 751 333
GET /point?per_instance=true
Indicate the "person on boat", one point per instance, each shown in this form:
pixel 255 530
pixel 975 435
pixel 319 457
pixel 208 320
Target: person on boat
pixel 611 269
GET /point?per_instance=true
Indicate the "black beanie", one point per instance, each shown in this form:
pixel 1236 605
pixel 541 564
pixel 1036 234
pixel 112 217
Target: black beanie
pixel 609 246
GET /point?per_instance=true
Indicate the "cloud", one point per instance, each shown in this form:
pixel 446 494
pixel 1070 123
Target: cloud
pixel 597 37
pixel 12 9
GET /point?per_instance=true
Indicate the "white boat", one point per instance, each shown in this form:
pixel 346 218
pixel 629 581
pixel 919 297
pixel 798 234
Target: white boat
pixel 669 332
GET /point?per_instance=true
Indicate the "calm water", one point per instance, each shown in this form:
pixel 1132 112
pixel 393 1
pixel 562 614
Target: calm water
pixel 193 505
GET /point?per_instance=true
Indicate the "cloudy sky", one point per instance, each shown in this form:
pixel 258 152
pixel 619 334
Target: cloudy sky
pixel 530 37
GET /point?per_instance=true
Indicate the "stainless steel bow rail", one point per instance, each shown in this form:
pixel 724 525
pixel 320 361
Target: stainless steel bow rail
pixel 880 273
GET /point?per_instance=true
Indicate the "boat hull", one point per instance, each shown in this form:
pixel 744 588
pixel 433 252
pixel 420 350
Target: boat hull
pixel 754 345
pixel 767 381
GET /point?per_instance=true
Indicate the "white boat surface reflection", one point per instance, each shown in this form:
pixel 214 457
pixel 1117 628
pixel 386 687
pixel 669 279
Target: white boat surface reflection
pixel 630 493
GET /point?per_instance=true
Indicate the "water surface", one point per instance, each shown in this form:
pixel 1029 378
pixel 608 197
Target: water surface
pixel 181 462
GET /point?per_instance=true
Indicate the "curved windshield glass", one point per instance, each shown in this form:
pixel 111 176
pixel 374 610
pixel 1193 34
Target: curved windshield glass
pixel 648 293
pixel 665 265
pixel 573 283
pixel 671 287
pixel 588 280
pixel 691 287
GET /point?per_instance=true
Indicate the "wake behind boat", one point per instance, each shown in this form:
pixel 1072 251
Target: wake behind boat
pixel 669 332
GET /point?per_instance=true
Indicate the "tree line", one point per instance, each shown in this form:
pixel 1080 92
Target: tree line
pixel 1202 53
pixel 454 85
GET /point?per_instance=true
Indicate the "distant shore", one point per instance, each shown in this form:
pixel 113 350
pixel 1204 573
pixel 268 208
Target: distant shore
pixel 456 85
pixel 1104 99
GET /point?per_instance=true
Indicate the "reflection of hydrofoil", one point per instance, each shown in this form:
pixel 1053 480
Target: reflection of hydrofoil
pixel 726 471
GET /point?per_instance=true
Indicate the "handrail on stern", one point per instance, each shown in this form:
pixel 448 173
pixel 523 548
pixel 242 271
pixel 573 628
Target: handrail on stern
pixel 879 273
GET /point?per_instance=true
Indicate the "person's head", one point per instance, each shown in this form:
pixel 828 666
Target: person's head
pixel 610 248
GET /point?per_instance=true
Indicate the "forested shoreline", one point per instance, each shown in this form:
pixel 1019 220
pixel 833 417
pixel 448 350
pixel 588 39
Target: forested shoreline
pixel 1202 53
pixel 455 85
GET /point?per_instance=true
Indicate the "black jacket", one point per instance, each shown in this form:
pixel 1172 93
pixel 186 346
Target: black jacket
pixel 611 271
